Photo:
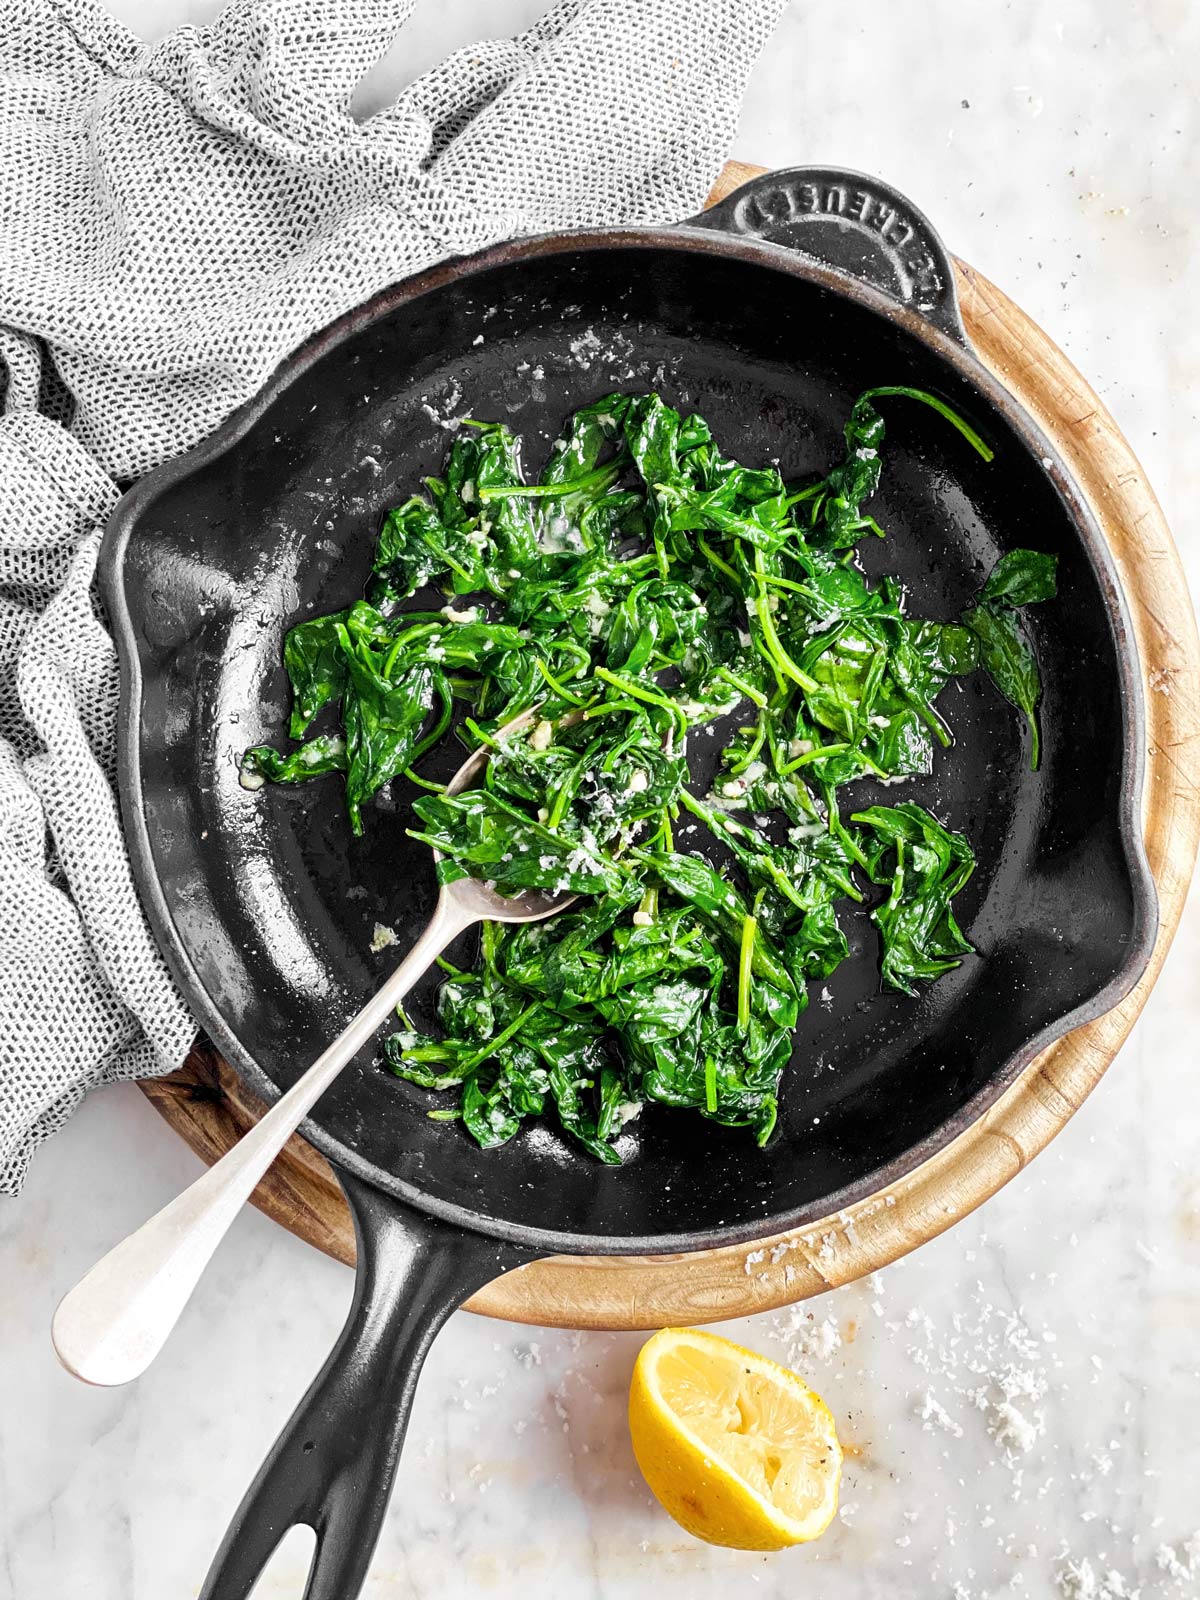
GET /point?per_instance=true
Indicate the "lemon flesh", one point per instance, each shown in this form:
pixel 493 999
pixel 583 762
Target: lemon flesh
pixel 739 1450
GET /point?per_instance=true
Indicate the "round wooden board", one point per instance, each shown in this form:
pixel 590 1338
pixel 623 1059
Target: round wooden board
pixel 207 1105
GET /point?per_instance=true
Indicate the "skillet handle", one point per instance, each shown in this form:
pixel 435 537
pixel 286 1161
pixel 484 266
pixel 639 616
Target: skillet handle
pixel 863 230
pixel 331 1469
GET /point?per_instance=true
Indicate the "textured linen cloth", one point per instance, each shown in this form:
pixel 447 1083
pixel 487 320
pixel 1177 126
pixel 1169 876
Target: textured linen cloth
pixel 174 218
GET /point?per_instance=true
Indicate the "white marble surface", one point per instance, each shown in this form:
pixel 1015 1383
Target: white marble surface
pixel 1057 148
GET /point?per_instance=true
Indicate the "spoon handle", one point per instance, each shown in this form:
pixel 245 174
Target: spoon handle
pixel 112 1324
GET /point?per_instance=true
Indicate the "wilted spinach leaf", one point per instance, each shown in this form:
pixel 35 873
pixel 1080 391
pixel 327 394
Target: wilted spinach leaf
pixel 924 866
pixel 1018 579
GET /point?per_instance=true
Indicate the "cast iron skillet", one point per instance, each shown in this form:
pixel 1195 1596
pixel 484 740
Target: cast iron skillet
pixel 767 314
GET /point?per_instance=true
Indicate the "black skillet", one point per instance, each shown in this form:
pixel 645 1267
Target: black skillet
pixel 768 315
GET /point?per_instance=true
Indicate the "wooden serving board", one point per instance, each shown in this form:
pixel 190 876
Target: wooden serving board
pixel 208 1106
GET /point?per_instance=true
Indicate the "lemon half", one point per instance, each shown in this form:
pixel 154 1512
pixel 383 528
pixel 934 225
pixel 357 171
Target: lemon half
pixel 739 1450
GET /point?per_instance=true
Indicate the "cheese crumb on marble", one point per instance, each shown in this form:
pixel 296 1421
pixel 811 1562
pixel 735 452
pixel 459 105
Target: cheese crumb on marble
pixel 1079 1580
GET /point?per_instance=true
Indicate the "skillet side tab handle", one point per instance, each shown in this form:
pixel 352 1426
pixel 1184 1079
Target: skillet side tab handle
pixel 860 228
pixel 332 1467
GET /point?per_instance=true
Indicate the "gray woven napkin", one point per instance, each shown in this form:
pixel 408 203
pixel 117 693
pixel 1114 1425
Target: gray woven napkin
pixel 176 218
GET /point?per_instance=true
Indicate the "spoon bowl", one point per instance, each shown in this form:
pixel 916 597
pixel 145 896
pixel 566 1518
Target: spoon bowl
pixel 474 894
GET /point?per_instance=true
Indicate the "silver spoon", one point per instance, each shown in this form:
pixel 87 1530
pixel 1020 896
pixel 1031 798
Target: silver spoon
pixel 112 1324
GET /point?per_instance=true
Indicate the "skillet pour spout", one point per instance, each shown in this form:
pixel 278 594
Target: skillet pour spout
pixel 767 315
